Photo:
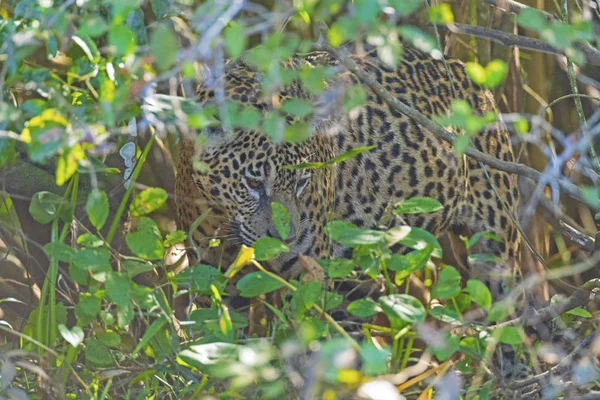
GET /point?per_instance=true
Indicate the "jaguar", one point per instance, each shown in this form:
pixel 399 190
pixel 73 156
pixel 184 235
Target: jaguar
pixel 232 178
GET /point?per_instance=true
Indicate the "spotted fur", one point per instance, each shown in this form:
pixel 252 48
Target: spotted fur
pixel 407 161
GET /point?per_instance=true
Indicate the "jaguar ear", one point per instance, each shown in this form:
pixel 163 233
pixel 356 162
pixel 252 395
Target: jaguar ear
pixel 215 137
pixel 329 116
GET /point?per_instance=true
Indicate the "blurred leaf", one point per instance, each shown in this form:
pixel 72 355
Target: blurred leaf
pixel 451 346
pixel 257 283
pixel 67 163
pixel 123 39
pixel 94 260
pixel 132 268
pixel 419 239
pixel 44 206
pixel 351 236
pixel 173 238
pixel 164 46
pixel 446 315
pixel 109 338
pixel 297 132
pixel 147 201
pixel 297 107
pixel 93 26
pixel 281 219
pixel 60 251
pixel 235 39
pixel 495 71
pixel 350 153
pixel 97 208
pixel 531 18
pixel 73 336
pixel 405 265
pixel 267 248
pixel 8 154
pixel 87 308
pixel 441 14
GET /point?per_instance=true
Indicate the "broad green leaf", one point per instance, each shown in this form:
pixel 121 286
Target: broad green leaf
pixel 109 338
pixel 200 278
pixel 87 308
pixel 149 333
pixel 297 132
pixel 374 359
pixel 354 96
pixel 338 268
pixel 351 236
pixel 448 284
pixel 257 283
pixel 402 307
pixel 297 107
pixel 479 293
pixel 89 240
pixel 235 39
pixel 118 288
pixel 44 207
pixel 451 346
pixel 495 71
pixel 164 46
pixel 476 72
pixel 441 14
pixel 122 38
pixel 133 268
pixel 146 241
pixel 124 314
pixel 446 315
pixel 97 208
pixel 281 219
pixel 93 26
pixel 367 10
pixel 405 265
pixel 73 336
pixel 418 239
pixel 93 260
pixel 173 238
pixel 60 251
pixel 500 310
pixel 579 312
pixel 510 335
pixel 147 201
pixel 267 248
pixel 531 18
pixel 306 295
pixel 96 353
pixel 67 163
pixel 363 308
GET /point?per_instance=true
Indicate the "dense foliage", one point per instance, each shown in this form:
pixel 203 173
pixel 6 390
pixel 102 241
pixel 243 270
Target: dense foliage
pixel 94 96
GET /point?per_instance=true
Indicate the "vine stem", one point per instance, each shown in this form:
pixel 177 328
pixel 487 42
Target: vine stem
pixel 136 172
pixel 327 317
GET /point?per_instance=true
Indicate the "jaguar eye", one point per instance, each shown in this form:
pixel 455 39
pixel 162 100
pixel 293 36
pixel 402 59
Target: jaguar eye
pixel 254 183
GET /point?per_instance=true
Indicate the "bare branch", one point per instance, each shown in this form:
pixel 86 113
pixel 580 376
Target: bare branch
pixel 508 39
pixel 515 168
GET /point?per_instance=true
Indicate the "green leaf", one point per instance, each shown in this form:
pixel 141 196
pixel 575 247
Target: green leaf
pixel 133 268
pixel 297 107
pixel 496 71
pixel 109 338
pixel 451 346
pixel 296 133
pixel 93 26
pixel 73 336
pixel 479 293
pixel 354 96
pixel 448 284
pixel 476 72
pixel 96 353
pixel 60 251
pixel 164 46
pixel 590 195
pixel 405 265
pixel 305 297
pixel 530 18
pixel 200 278
pixel 267 248
pixel 97 208
pixel 579 312
pixel 8 155
pixel 123 39
pixel 351 236
pixel 363 308
pixel 235 39
pixel 349 154
pixel 44 206
pixel 124 314
pixel 419 239
pixel 173 238
pixel 367 10
pixel 118 288
pixel 152 330
pixel 374 359
pixel 441 14
pixel 89 240
pixel 147 201
pixel 257 283
pixel 510 335
pixel 146 242
pixel 446 315
pixel 338 268
pixel 87 308
pixel 94 260
pixel 418 205
pixel 500 310
pixel 281 219
pixel 402 307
